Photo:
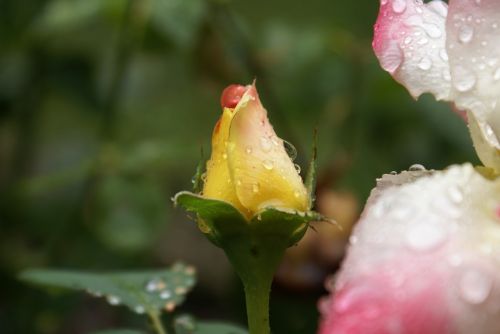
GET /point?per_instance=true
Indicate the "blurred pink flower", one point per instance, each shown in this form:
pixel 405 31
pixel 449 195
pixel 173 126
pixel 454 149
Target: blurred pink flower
pixel 423 259
pixel 452 52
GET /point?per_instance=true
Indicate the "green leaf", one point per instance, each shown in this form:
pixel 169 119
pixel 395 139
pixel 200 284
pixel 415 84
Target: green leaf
pixel 142 292
pixel 311 171
pixel 179 20
pixel 186 324
pixel 119 331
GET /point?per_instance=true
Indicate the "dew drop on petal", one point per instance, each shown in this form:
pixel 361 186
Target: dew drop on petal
pixel 255 188
pixel 392 58
pixel 443 54
pixel 416 168
pixel 475 286
pixel 265 144
pixel 464 79
pixel 456 195
pixel 496 74
pixel 465 34
pixel 425 237
pixel 248 150
pixel 425 64
pixel 268 164
pixel 399 6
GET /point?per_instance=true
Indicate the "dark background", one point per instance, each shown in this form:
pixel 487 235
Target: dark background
pixel 104 105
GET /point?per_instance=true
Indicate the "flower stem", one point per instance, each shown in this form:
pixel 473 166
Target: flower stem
pixel 156 322
pixel 255 259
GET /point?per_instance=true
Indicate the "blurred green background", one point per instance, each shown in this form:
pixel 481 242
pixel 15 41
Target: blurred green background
pixel 104 105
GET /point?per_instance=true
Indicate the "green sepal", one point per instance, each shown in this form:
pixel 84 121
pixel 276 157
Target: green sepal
pixel 310 181
pixel 198 176
pixel 221 221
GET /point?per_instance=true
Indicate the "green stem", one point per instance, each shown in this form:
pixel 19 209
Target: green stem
pixel 255 259
pixel 156 322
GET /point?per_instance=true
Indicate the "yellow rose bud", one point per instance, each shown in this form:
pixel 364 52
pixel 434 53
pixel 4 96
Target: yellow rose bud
pixel 249 167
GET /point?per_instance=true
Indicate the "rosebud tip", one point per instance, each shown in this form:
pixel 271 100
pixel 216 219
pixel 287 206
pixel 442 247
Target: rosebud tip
pixel 232 95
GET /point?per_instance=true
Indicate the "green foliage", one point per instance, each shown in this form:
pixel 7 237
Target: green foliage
pixel 189 325
pixel 119 331
pixel 142 292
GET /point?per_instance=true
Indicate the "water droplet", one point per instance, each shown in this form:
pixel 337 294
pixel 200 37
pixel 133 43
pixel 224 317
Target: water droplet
pixel 290 150
pixel 496 74
pixel 155 284
pixel 398 6
pixel 425 64
pixel 255 188
pixel 238 182
pixel 464 80
pixel 432 30
pixel 383 2
pixel 139 309
pixel 170 306
pixel 392 57
pixel 224 156
pixel 296 193
pixel 455 260
pixel 438 7
pixel 268 164
pixel 475 286
pixel 443 54
pixel 94 293
pixel 165 294
pixel 248 150
pixel 446 75
pixel 265 144
pixel 465 33
pixel 424 237
pixel 456 195
pixel 113 300
pixel 180 290
pixel 416 168
pixel 478 2
pixel 353 239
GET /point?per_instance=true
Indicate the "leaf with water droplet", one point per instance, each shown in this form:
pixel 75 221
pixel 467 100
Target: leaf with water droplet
pixel 141 291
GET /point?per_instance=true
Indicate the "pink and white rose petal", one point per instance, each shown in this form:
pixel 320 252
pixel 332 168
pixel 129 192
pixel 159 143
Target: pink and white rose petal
pixel 424 258
pixel 451 51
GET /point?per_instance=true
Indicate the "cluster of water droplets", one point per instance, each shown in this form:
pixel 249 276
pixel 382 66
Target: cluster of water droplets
pixel 481 60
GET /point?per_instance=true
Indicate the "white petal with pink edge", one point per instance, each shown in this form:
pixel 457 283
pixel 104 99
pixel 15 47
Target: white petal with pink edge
pixel 429 243
pixel 410 42
pixel 473 44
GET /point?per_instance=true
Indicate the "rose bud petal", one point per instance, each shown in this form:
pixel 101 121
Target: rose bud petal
pixel 263 172
pixel 424 258
pixel 249 166
pixel 218 181
pixel 452 52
